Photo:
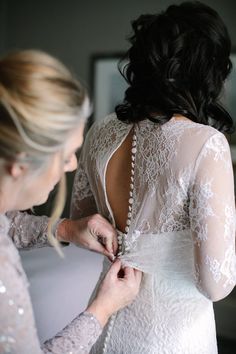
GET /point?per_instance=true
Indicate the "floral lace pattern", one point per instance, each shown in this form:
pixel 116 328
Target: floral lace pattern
pixel 175 213
pixel 78 337
pixel 157 149
pixel 216 147
pixel 200 208
pixel 113 130
pixel 24 236
pixel 225 269
pixel 229 222
pixel 17 327
pixel 81 189
pixel 183 211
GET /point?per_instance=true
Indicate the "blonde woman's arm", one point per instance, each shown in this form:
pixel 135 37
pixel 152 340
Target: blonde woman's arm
pixel 29 231
pixel 86 228
pixel 17 326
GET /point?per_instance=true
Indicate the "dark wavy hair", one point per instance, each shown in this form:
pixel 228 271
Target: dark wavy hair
pixel 177 64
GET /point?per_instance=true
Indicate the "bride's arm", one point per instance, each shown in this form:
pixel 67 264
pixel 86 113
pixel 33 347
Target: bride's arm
pixel 82 201
pixel 212 210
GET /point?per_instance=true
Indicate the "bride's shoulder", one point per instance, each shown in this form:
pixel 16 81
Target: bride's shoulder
pixel 105 127
pixel 205 133
pixel 210 133
pixel 102 123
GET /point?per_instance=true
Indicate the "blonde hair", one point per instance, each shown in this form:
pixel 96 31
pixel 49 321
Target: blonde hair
pixel 40 105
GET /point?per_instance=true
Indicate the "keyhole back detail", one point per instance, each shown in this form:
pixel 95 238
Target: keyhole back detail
pixel 120 181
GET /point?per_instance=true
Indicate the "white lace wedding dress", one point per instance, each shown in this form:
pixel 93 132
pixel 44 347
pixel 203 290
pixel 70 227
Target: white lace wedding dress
pixel 180 231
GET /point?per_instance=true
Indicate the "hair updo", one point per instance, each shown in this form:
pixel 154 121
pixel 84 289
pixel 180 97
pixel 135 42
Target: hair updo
pixel 177 64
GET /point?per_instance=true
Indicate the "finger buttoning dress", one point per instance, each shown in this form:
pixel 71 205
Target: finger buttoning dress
pixel 180 231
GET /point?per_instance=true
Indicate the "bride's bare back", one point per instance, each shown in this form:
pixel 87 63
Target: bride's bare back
pixel 118 176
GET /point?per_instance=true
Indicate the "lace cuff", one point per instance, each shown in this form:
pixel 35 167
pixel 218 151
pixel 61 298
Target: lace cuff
pixel 78 337
pixel 30 231
pixel 89 332
pixel 54 232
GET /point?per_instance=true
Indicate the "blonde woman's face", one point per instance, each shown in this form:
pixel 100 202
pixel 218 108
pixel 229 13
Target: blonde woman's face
pixel 37 185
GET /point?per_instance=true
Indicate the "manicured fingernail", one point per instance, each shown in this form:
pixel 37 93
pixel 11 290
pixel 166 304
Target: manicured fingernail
pixel 112 257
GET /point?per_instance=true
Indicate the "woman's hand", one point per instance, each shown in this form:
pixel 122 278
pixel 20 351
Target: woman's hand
pixel 93 232
pixel 115 292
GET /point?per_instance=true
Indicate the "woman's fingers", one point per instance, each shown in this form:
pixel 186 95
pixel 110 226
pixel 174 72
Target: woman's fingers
pixel 109 235
pixel 115 268
pixel 138 274
pixel 100 227
pixel 132 273
pixel 128 273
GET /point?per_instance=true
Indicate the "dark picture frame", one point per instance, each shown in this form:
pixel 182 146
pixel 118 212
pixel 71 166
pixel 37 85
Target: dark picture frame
pixel 107 84
pixel 229 100
pixel 108 87
pixel 230 88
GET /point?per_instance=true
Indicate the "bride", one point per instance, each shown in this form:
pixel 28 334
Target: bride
pixel 160 170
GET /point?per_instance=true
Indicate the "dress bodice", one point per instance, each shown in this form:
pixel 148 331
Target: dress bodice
pixel 182 179
pixel 180 231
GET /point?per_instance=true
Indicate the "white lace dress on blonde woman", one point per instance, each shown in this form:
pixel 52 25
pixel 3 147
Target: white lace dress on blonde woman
pixel 17 326
pixel 180 231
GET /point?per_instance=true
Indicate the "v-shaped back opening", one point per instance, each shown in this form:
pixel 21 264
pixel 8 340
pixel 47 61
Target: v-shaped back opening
pixel 118 175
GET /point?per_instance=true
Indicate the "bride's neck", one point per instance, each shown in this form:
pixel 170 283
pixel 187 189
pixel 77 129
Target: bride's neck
pixel 180 117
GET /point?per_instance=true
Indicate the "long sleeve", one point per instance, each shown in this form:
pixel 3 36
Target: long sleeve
pixel 28 231
pixel 78 337
pixel 82 203
pixel 17 327
pixel 212 219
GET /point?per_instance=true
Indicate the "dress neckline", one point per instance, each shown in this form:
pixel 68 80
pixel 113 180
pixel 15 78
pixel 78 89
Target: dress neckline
pixel 172 120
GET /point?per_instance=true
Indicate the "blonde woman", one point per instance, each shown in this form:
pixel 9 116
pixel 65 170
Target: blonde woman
pixel 43 110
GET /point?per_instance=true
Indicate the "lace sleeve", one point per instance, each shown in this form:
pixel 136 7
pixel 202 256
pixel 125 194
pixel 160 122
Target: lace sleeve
pixel 17 326
pixel 78 337
pixel 82 202
pixel 29 231
pixel 212 219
